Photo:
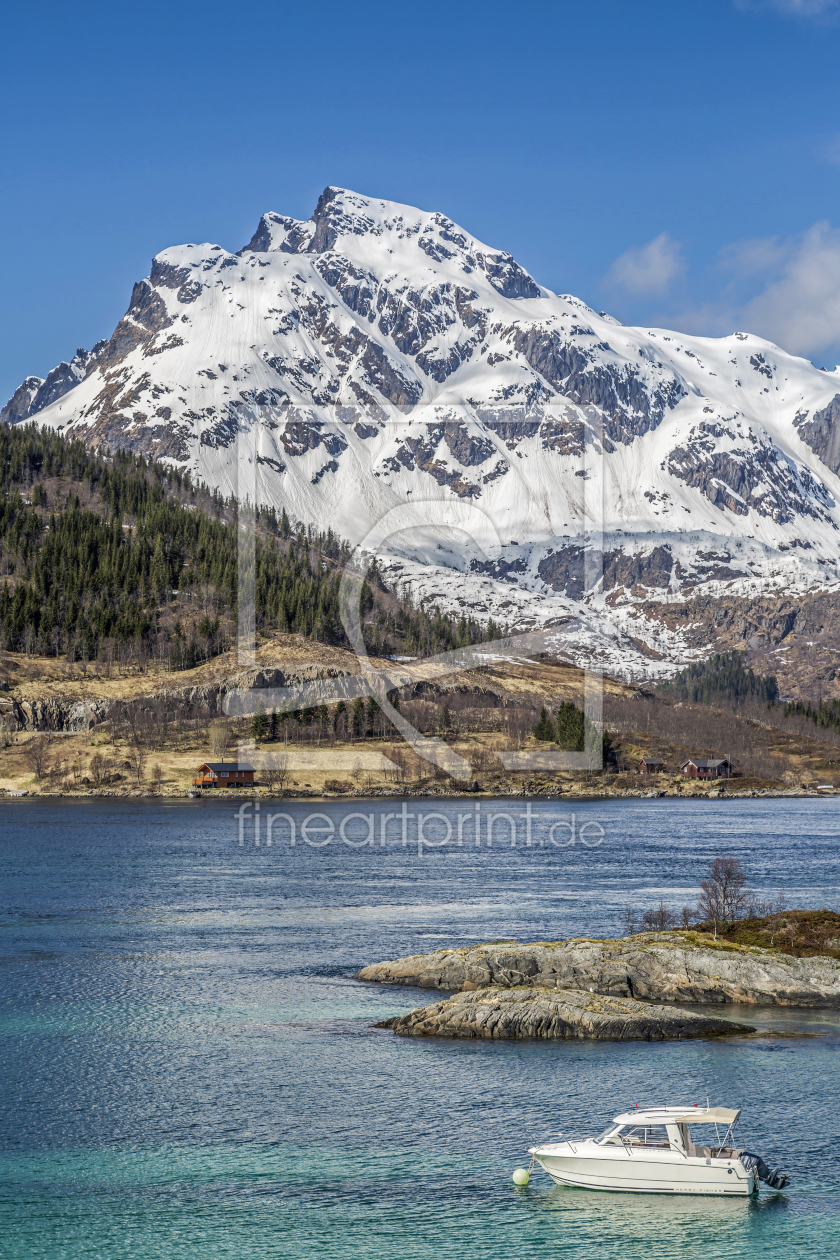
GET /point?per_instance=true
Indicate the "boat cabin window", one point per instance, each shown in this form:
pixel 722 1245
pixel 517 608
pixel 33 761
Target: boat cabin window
pixel 646 1135
pixel 635 1135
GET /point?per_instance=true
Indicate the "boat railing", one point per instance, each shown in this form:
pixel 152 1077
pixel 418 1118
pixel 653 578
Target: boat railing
pixel 565 1135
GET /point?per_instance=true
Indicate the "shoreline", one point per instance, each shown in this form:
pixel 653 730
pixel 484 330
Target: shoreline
pixel 417 793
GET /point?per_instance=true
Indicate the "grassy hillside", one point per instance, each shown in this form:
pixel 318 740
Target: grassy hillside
pixel 800 933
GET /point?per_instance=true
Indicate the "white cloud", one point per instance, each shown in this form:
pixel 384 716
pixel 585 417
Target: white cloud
pixel 797 8
pixel 800 308
pixel 786 289
pixel 752 257
pixel 804 8
pixel 651 268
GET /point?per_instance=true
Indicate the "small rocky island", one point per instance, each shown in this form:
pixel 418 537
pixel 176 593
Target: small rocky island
pixel 655 966
pixel 603 989
pixel 557 1015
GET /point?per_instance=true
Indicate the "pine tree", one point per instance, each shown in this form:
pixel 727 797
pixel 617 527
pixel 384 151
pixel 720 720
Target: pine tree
pixel 544 728
pixel 340 711
pixel 259 724
pixel 569 731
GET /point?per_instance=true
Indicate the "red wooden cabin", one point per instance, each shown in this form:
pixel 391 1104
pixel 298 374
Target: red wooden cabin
pixel 224 774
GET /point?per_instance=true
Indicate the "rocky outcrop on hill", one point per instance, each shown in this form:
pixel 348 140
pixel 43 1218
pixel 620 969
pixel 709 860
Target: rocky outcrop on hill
pixel 668 967
pixel 822 432
pixel 230 694
pixel 808 626
pixel 51 714
pixel 567 1013
pixel 233 694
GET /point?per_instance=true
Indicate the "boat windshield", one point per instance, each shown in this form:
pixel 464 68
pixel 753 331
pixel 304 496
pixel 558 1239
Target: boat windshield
pixel 602 1137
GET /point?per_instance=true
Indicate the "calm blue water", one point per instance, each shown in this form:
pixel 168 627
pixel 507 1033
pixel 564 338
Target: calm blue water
pixel 189 1069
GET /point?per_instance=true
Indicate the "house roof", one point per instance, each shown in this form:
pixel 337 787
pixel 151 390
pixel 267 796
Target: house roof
pixel 217 766
pixel 653 761
pixel 705 765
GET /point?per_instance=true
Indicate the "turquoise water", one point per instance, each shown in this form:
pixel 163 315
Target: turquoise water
pixel 189 1068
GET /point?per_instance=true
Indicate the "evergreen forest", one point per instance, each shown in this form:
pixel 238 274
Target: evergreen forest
pixel 722 679
pixel 107 554
pixel 825 714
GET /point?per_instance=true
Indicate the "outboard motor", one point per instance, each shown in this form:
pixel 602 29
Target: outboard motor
pixel 773 1177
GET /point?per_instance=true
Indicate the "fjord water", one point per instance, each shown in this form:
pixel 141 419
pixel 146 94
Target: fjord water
pixel 189 1068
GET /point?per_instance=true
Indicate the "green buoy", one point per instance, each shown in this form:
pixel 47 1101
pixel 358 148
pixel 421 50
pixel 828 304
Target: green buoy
pixel 521 1176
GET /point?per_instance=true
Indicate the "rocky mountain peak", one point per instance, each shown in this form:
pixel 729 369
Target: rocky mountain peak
pixel 385 359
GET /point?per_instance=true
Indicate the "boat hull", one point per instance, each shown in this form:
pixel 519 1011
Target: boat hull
pixel 638 1174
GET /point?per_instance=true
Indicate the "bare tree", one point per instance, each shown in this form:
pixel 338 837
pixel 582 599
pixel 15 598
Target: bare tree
pixel 97 769
pixel 219 738
pixel 275 768
pixel 723 894
pixel 399 758
pixel 157 777
pixel 137 760
pixel 36 755
pixel 659 919
pixel 631 921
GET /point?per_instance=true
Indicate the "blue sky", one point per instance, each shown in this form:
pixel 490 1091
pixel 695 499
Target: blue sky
pixel 673 163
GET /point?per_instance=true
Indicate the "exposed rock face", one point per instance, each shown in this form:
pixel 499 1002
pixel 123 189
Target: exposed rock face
pixel 36 394
pixel 656 968
pixel 561 1014
pixel 808 627
pixel 822 433
pixel 51 714
pixel 214 698
pixel 564 570
pixel 10 714
pixel 619 391
pixel 742 470
pixel 19 406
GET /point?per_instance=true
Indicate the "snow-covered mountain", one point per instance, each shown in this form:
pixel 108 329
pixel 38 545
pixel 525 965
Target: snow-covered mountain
pixel 379 370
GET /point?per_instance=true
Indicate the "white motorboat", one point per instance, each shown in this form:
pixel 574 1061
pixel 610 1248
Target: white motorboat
pixel 660 1150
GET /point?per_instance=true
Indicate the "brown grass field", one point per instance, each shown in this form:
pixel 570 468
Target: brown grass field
pixel 479 712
